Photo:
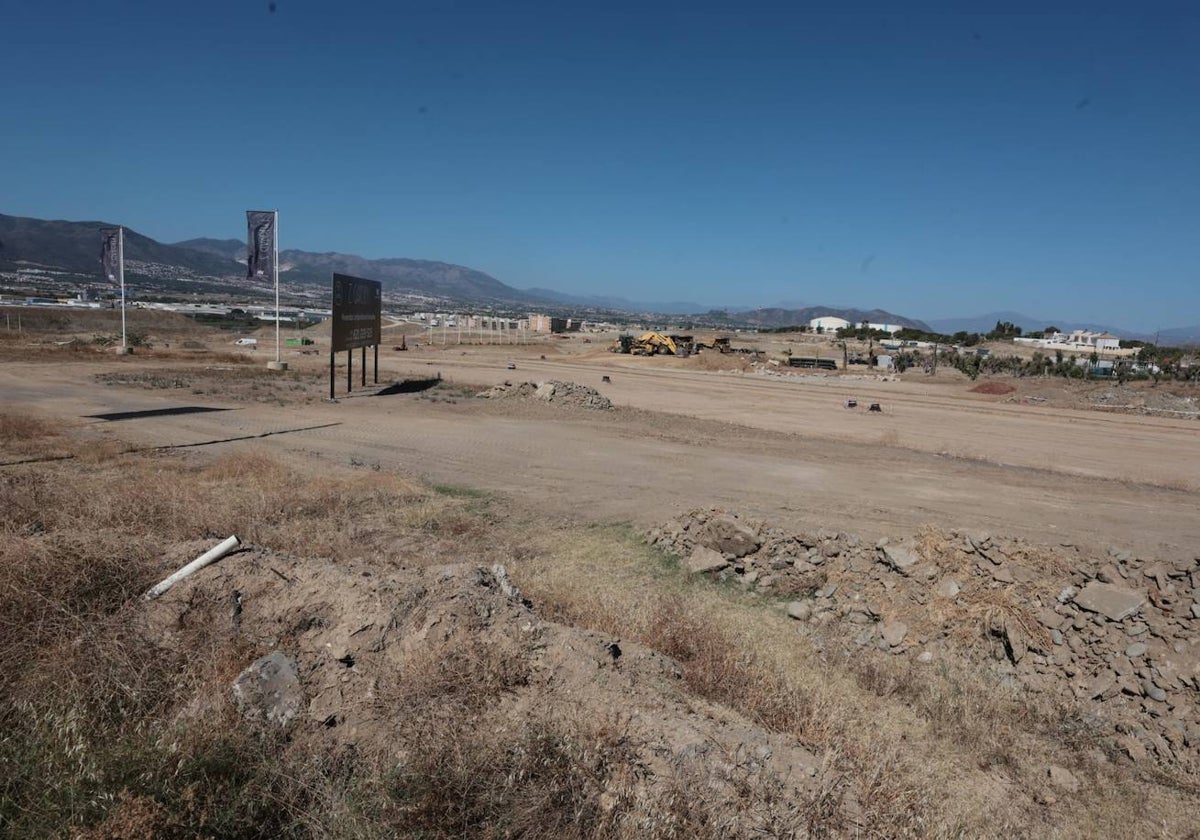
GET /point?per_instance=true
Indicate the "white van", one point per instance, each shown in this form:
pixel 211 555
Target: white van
pixel 246 342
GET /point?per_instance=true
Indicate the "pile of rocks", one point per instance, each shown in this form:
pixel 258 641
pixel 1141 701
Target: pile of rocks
pixel 551 391
pixel 1120 634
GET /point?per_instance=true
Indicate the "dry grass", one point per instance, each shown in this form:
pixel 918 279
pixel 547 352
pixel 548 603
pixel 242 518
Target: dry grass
pixel 229 380
pixel 100 735
pixel 944 750
pixel 24 436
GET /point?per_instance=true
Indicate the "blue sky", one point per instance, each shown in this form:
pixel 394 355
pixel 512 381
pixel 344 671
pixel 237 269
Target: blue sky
pixel 927 162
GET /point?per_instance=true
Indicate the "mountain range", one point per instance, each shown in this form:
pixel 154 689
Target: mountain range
pixel 70 250
pixel 40 247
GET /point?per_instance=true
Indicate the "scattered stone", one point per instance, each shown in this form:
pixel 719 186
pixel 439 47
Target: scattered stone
pixel 948 588
pixel 1103 684
pixel 1003 574
pixel 269 690
pixel 553 391
pixel 705 560
pixel 730 537
pixel 1133 748
pixel 899 558
pixel 1153 692
pixel 1063 779
pixel 894 632
pixel 1103 639
pixel 800 610
pixel 1113 602
pixel 1048 618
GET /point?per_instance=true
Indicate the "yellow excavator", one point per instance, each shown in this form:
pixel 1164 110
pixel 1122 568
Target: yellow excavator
pixel 650 343
pixel 646 344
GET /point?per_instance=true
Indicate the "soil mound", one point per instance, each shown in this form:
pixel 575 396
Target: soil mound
pixel 1116 637
pixel 359 652
pixel 996 388
pixel 552 391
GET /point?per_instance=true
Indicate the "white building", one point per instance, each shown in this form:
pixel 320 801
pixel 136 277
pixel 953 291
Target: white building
pixel 828 323
pixel 1087 338
pixel 890 329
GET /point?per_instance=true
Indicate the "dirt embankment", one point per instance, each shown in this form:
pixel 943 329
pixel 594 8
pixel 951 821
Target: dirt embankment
pixel 1117 637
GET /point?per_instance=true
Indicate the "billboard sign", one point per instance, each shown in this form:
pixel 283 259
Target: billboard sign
pixel 356 312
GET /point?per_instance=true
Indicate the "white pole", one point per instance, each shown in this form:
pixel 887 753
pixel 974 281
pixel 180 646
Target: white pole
pixel 275 271
pixel 121 275
pixel 211 556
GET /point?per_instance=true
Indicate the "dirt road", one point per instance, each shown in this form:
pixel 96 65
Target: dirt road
pixel 780 449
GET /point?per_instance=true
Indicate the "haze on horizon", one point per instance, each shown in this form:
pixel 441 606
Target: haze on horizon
pixel 931 164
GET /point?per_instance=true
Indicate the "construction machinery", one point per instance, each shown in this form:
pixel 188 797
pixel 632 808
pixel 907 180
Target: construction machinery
pixel 647 344
pixel 718 343
pixel 655 343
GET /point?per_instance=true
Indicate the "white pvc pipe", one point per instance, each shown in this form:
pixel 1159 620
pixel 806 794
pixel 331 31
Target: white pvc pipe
pixel 211 556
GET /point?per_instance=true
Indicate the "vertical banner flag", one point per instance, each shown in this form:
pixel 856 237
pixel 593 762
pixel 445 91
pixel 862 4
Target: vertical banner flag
pixel 260 234
pixel 110 254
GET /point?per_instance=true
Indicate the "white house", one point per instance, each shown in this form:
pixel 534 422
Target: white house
pixel 1075 340
pixel 828 323
pixel 890 329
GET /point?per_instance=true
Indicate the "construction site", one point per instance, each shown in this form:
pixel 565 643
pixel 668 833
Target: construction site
pixel 557 589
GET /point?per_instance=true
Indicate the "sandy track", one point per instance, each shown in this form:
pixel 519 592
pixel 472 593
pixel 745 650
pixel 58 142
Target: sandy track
pixel 644 466
pixel 933 418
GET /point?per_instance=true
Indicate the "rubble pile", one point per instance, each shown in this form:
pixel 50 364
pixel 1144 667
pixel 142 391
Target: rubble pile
pixel 551 391
pixel 1118 634
pixel 347 651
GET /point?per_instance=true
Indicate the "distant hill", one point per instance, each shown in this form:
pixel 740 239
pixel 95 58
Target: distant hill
pixel 75 247
pixel 230 249
pixel 1180 336
pixel 617 303
pixel 421 277
pixel 776 317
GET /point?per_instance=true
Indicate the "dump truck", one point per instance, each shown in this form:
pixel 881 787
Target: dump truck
pixel 718 343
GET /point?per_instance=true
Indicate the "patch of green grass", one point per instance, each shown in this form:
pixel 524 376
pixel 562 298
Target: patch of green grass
pixel 456 491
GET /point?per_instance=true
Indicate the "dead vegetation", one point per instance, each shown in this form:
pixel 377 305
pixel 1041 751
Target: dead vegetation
pixel 434 712
pixel 233 379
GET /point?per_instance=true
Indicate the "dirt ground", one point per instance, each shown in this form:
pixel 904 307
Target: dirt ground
pixel 776 445
pixel 963 677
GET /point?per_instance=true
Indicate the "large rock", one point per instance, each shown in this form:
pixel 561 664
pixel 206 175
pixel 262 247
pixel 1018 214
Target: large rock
pixel 728 536
pixel 948 588
pixel 900 558
pixel 269 690
pixel 800 610
pixel 1115 603
pixel 705 560
pixel 1063 778
pixel 894 632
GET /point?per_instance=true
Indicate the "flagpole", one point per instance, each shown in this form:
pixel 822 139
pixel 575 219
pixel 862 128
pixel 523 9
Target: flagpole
pixel 121 275
pixel 277 364
pixel 275 271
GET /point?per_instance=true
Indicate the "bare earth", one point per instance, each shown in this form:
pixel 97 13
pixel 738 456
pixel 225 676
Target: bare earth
pixel 781 447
